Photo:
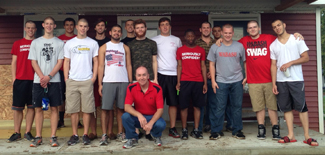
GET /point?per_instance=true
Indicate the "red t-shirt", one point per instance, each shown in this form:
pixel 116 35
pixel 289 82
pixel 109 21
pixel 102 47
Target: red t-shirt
pixel 258 58
pixel 191 62
pixel 145 103
pixel 24 69
pixel 65 38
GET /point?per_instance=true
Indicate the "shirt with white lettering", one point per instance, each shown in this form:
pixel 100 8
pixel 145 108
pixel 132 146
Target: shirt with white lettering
pixel 285 53
pixel 228 59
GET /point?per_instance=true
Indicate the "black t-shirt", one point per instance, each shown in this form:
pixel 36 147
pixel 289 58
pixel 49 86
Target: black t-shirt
pixel 126 40
pixel 102 42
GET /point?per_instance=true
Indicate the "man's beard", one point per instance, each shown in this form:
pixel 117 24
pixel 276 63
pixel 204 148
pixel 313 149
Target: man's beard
pixel 115 39
pixel 140 36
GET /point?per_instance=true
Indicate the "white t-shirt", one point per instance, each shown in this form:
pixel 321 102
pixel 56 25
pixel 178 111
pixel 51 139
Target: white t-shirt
pixel 80 52
pixel 46 52
pixel 285 53
pixel 115 65
pixel 166 55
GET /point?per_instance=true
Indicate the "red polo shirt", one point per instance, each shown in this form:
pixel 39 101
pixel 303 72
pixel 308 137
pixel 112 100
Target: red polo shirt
pixel 146 103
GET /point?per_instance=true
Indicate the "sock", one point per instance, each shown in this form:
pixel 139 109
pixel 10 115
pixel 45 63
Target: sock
pixel 61 114
pixel 196 129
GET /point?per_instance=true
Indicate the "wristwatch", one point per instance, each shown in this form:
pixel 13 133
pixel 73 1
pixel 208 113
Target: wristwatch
pixel 50 76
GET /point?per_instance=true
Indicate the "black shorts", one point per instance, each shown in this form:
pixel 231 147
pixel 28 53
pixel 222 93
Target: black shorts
pixel 22 94
pixel 168 84
pixel 191 90
pixel 291 96
pixel 62 85
pixel 54 94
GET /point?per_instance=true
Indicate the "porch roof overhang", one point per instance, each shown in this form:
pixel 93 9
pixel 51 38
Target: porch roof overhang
pixel 14 7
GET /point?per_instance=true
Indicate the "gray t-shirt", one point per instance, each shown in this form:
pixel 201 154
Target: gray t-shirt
pixel 46 52
pixel 227 59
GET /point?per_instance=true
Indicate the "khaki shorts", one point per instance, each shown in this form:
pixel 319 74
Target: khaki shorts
pixel 261 95
pixel 77 91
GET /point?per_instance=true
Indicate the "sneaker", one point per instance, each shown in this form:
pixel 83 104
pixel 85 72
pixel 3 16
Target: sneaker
pixel 121 137
pixel 207 128
pixel 173 132
pixel 158 141
pixel 149 137
pixel 14 137
pixel 73 140
pixel 196 134
pixel 214 136
pixel 184 134
pixel 92 136
pixel 112 136
pixel 37 141
pixel 103 140
pixel 28 136
pixel 61 124
pixel 276 132
pixel 221 133
pixel 85 139
pixel 261 132
pixel 239 135
pixel 140 133
pixel 229 129
pixel 54 141
pixel 130 143
pixel 80 125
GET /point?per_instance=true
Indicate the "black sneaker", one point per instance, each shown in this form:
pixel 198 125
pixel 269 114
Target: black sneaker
pixel 214 136
pixel 73 140
pixel 173 132
pixel 14 137
pixel 196 134
pixel 261 132
pixel 61 124
pixel 140 133
pixel 276 132
pixel 184 134
pixel 221 133
pixel 28 136
pixel 239 135
pixel 207 128
pixel 149 137
pixel 85 139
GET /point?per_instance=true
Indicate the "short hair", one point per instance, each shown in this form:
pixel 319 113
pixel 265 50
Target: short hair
pixel 206 22
pixel 83 20
pixel 139 21
pixel 253 21
pixel 227 26
pixel 217 26
pixel 70 20
pixel 49 17
pixel 117 25
pixel 129 20
pixel 30 22
pixel 99 21
pixel 189 30
pixel 277 20
pixel 163 19
pixel 143 67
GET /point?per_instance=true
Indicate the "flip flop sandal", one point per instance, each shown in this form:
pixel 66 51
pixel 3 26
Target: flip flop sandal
pixel 286 139
pixel 309 142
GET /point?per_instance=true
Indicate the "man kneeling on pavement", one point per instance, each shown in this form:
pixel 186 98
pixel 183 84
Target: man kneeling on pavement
pixel 148 108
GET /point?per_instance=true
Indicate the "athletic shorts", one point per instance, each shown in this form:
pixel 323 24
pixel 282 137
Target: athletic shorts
pixel 191 90
pixel 96 94
pixel 62 85
pixel 53 93
pixel 261 95
pixel 79 94
pixel 113 91
pixel 168 84
pixel 22 94
pixel 291 96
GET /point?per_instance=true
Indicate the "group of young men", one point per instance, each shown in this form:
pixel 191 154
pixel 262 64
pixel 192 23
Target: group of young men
pixel 139 74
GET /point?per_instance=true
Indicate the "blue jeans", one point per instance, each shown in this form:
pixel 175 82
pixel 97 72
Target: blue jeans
pixel 217 111
pixel 131 122
pixel 228 114
pixel 210 100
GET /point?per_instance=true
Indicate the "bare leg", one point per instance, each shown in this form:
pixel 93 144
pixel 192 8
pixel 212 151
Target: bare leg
pixel 93 124
pixel 86 121
pixel 39 118
pixel 172 110
pixel 184 118
pixel 74 123
pixel 103 121
pixel 119 120
pixel 197 113
pixel 260 115
pixel 289 119
pixel 110 121
pixel 54 120
pixel 273 114
pixel 29 119
pixel 18 118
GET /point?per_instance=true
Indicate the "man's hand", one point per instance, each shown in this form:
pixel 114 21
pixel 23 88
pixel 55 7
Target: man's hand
pixel 208 75
pixel 100 87
pixel 244 82
pixel 13 81
pixel 275 90
pixel 205 88
pixel 93 80
pixel 219 41
pixel 178 86
pixel 142 120
pixel 44 81
pixel 298 36
pixel 215 87
pixel 155 81
pixel 284 67
pixel 148 127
